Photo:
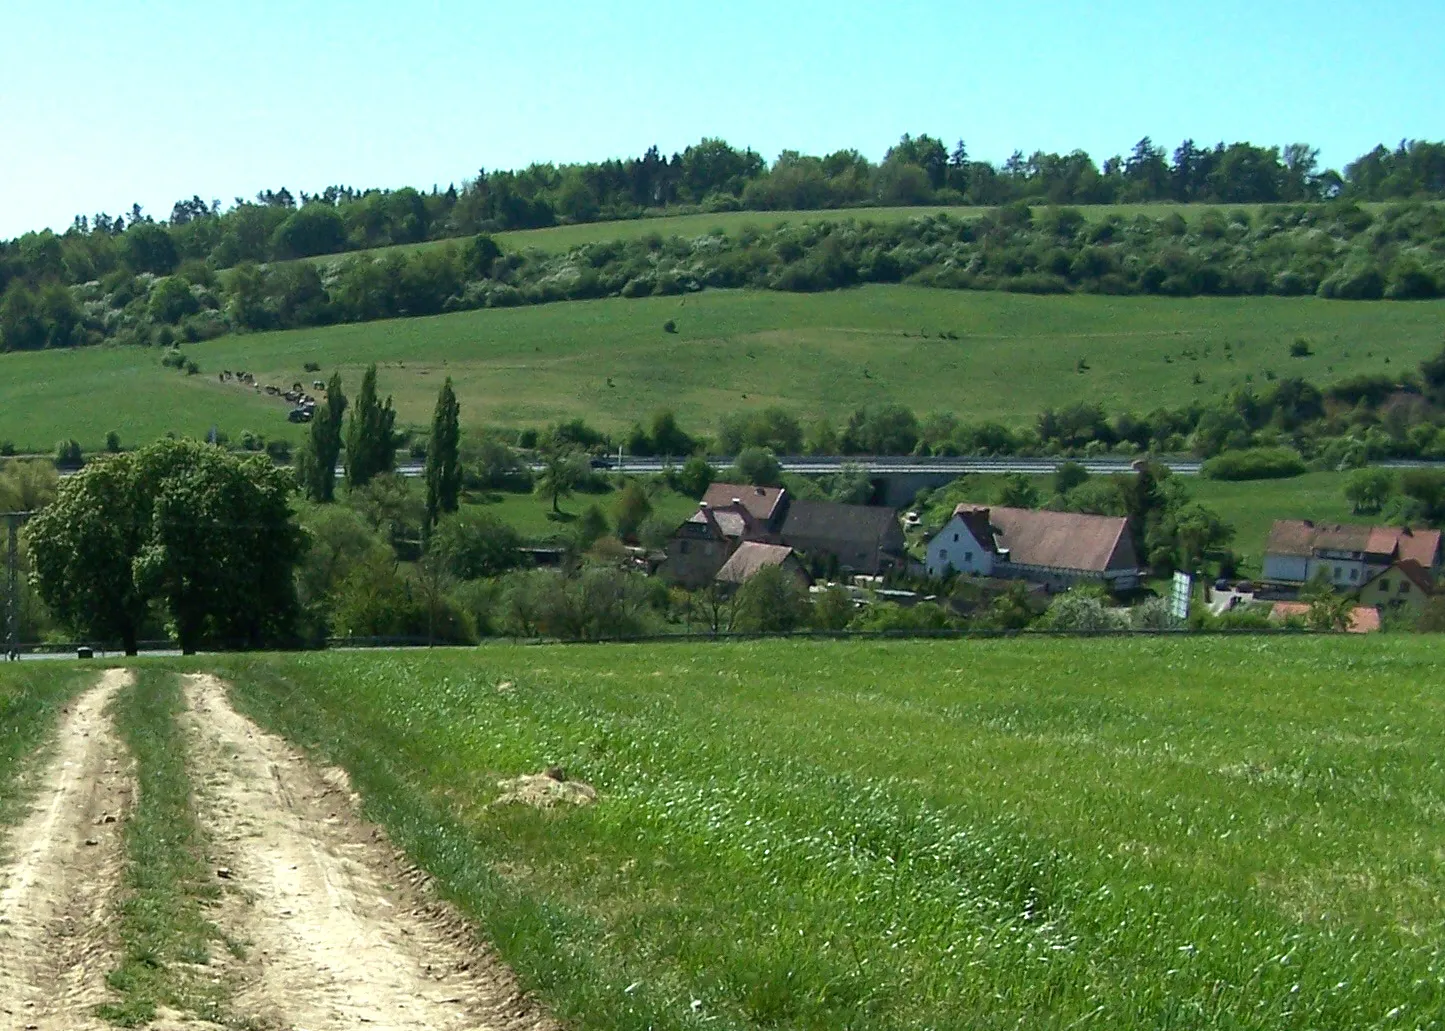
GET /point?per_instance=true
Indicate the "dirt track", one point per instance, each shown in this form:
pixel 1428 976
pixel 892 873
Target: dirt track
pixel 61 870
pixel 337 936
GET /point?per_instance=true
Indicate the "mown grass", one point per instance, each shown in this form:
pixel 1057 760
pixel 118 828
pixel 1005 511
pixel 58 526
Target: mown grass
pixel 32 695
pixel 611 363
pixel 1202 833
pixel 166 939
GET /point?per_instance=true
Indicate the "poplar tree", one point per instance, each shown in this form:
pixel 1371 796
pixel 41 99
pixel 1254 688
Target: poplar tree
pixel 443 462
pixel 370 439
pixel 316 466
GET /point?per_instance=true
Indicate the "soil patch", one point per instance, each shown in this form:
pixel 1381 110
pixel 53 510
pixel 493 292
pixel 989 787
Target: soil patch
pixel 340 933
pixel 62 870
pixel 545 790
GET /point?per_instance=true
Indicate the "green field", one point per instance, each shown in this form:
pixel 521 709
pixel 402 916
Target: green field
pixel 610 362
pixel 531 514
pixel 1186 833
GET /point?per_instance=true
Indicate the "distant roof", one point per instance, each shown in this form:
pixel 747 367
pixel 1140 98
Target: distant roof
pixel 1301 538
pixel 1363 618
pixel 1057 540
pixel 867 526
pixel 761 502
pixel 750 558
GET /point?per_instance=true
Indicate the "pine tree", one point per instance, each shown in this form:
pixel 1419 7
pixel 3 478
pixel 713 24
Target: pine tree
pixel 443 463
pixel 316 466
pixel 370 439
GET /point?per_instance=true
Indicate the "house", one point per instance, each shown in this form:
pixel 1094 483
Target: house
pixel 1346 554
pixel 751 557
pixel 1363 619
pixel 1405 585
pixel 850 538
pixel 764 506
pixel 703 543
pixel 1057 549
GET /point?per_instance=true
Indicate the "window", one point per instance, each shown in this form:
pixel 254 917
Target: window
pixel 1354 574
pixel 682 547
pixel 1404 586
pixel 955 538
pixel 1339 573
pixel 968 556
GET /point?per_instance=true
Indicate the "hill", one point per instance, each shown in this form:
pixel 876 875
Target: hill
pixel 610 361
pixel 1213 833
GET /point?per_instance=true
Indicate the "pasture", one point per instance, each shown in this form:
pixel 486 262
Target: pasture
pixel 611 363
pixel 1144 833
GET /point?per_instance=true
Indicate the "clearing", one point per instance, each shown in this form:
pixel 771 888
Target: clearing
pixel 58 884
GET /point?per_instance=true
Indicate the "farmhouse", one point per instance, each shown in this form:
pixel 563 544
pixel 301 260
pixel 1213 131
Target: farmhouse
pixel 846 538
pixel 1346 554
pixel 1406 585
pixel 849 538
pixel 1057 549
pixel 752 557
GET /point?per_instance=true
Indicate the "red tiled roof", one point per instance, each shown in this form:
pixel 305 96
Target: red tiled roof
pixel 1421 546
pixel 1363 618
pixel 750 558
pixel 761 502
pixel 1058 540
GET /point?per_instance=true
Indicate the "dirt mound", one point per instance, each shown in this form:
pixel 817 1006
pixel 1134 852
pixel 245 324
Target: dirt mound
pixel 61 872
pixel 545 790
pixel 341 934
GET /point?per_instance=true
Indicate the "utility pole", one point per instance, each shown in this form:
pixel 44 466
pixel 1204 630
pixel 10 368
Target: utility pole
pixel 12 582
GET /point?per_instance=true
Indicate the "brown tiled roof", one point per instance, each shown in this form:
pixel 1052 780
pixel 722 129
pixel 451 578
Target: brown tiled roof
pixel 1291 537
pixel 730 521
pixel 750 558
pixel 1301 537
pixel 1059 540
pixel 761 502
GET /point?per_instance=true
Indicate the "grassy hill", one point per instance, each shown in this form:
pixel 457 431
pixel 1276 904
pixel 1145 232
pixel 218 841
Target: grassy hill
pixel 610 361
pixel 1203 833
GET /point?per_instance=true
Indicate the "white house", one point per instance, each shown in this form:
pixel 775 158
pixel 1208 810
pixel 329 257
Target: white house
pixel 1053 548
pixel 1346 554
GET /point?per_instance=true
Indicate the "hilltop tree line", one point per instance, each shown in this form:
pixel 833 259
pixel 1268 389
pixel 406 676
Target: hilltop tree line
pixel 709 176
pixel 1336 250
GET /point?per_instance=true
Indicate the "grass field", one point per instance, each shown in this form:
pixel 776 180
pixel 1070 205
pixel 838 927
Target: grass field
pixel 1187 833
pixel 611 363
pixel 531 514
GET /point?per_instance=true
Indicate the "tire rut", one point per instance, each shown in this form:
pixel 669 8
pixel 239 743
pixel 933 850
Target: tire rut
pixel 62 870
pixel 339 933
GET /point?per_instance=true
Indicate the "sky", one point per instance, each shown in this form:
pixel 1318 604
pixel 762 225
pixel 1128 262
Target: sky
pixel 106 104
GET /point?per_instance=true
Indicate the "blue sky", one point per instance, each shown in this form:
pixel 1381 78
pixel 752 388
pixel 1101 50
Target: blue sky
pixel 101 107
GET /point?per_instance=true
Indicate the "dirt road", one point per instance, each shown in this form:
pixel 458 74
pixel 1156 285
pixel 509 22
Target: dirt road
pixel 337 938
pixel 61 871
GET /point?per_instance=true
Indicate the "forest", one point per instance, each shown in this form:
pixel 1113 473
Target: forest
pixel 711 175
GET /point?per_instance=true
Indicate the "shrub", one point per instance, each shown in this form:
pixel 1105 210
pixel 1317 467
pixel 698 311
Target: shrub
pixel 669 326
pixel 312 366
pixel 112 442
pixel 1255 464
pixel 1300 348
pixel 68 455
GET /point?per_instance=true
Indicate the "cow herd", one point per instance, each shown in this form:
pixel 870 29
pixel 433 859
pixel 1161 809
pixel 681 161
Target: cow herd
pixel 303 405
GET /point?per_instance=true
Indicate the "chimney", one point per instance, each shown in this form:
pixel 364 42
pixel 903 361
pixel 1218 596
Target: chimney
pixel 761 491
pixel 738 502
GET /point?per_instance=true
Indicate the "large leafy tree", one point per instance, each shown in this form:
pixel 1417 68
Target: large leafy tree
pixel 562 470
pixel 370 438
pixel 316 465
pixel 206 535
pixel 443 459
